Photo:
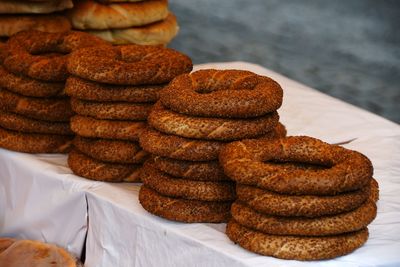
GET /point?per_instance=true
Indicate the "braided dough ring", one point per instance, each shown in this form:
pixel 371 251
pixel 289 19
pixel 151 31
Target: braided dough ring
pixel 223 93
pixel 91 15
pixel 128 64
pixel 88 90
pixel 111 110
pixel 111 150
pixel 24 49
pixel 182 148
pixel 90 168
pixel 295 247
pixel 34 143
pixel 192 170
pixel 343 170
pixel 29 87
pixel 183 188
pixel 56 109
pixel 108 129
pixel 219 129
pixel 272 203
pixel 19 123
pixel 183 210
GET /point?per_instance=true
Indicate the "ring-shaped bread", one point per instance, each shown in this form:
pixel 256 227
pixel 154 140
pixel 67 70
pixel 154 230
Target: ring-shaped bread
pixel 176 147
pixel 25 53
pixel 183 188
pixel 85 166
pixel 128 64
pixel 310 206
pixel 223 93
pixel 183 210
pixel 219 129
pixel 20 123
pixel 34 143
pixel 114 151
pixel 251 162
pixel 29 87
pixel 295 247
pixel 48 109
pixel 108 129
pixel 94 91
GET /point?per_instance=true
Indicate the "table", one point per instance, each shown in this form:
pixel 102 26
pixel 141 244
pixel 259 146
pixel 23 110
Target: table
pixel 121 233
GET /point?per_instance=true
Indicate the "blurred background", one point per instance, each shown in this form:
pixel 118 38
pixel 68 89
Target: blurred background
pixel 347 49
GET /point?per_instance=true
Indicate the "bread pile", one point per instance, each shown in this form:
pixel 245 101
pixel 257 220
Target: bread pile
pixel 34 110
pixel 17 253
pixel 299 198
pixel 112 90
pixel 16 16
pixel 145 22
pixel 196 115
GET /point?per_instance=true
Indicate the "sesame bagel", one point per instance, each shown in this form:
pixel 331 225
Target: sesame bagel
pixel 108 129
pixel 223 93
pixel 92 15
pixel 220 129
pixel 25 53
pixel 93 91
pixel 320 226
pixel 111 110
pixel 85 166
pixel 295 247
pixel 184 188
pixel 191 170
pixel 183 210
pixel 305 205
pixel 34 143
pixel 29 87
pixel 20 123
pixel 181 148
pixel 49 109
pixel 115 151
pixel 128 64
pixel 341 170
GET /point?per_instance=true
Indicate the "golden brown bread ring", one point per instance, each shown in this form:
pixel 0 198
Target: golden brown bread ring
pixel 295 247
pixel 272 203
pixel 18 7
pixel 183 188
pixel 115 151
pixel 344 170
pixel 88 90
pixel 91 15
pixel 223 93
pixel 183 210
pixel 20 123
pixel 192 170
pixel 29 87
pixel 182 148
pixel 85 166
pixel 157 33
pixel 48 109
pixel 34 143
pixel 128 64
pixel 220 129
pixel 108 129
pixel 24 51
pixel 321 226
pixel 111 110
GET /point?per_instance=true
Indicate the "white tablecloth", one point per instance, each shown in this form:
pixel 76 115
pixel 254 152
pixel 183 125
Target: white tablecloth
pixel 41 199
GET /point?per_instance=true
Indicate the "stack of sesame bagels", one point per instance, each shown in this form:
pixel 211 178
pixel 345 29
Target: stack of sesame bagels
pixel 112 90
pixel 16 16
pixel 299 198
pixel 34 110
pixel 196 115
pixel 146 22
